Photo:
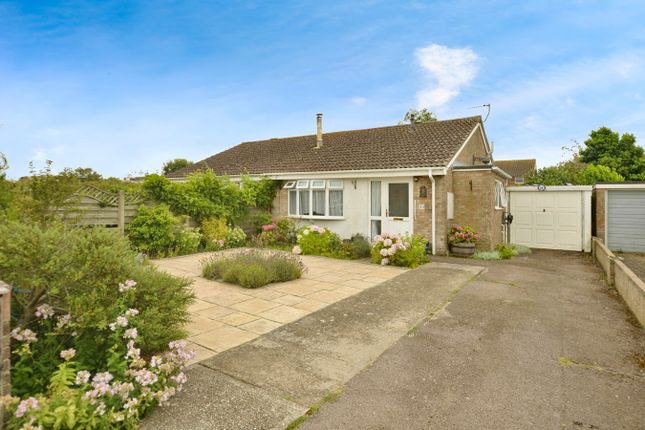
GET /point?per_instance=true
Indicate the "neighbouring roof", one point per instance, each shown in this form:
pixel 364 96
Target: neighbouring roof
pixel 431 144
pixel 516 168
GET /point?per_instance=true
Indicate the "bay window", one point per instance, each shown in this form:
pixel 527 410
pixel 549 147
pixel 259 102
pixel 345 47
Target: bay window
pixel 315 198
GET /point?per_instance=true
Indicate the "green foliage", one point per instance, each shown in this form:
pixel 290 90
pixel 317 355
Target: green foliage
pixel 286 230
pixel 172 166
pixel 152 230
pixel 505 251
pixel 214 229
pixel 414 116
pixel 43 196
pixel 315 240
pixel 82 173
pixel 487 255
pixel 573 172
pixel 206 195
pixel 76 271
pixel 187 240
pixel 397 250
pixel 253 269
pixel 235 238
pixel 521 249
pixel 356 247
pixel 604 147
pixel 253 221
pixel 5 185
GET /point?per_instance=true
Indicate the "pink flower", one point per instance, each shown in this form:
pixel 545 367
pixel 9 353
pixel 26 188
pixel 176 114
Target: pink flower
pixel 131 333
pixel 25 406
pixel 127 285
pixel 82 377
pixel 297 250
pixel 131 312
pixel 63 321
pixel 384 252
pixel 385 262
pixel 25 335
pixel 44 311
pixel 387 242
pixel 68 354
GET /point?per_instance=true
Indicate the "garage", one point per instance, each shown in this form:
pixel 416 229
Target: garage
pixel 623 217
pixel 551 217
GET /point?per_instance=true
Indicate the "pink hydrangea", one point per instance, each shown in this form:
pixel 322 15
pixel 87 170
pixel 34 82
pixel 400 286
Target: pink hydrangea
pixel 44 311
pixel 385 262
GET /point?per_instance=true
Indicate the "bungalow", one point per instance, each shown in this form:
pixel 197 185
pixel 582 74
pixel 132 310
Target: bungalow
pixel 413 178
pixel 518 169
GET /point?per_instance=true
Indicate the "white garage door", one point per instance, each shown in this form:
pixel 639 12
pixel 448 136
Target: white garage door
pixel 548 219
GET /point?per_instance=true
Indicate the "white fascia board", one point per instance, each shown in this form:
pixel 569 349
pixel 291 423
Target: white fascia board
pixel 533 188
pixel 620 186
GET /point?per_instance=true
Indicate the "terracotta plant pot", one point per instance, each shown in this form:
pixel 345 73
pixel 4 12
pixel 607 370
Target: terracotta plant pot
pixel 462 249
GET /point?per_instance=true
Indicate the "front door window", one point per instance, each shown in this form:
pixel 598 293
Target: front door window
pixel 398 200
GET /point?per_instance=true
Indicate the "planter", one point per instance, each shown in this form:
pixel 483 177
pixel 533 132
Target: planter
pixel 462 249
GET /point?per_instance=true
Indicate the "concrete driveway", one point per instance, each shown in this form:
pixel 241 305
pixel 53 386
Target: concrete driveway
pixel 537 342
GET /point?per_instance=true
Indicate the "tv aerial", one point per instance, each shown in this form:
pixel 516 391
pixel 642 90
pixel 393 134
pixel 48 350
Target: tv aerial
pixel 487 106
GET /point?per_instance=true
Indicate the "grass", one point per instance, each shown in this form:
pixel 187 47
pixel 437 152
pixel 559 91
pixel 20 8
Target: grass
pixel 253 269
pixel 313 409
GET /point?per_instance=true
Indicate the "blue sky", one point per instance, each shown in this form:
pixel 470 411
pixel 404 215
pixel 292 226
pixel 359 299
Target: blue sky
pixel 122 86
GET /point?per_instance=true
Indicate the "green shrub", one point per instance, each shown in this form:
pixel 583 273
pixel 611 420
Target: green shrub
pixel 76 270
pixel 487 255
pixel 253 221
pixel 153 230
pixel 286 230
pixel 187 240
pixel 505 251
pixel 315 240
pixel 235 238
pixel 214 229
pixel 399 250
pixel 253 269
pixel 521 249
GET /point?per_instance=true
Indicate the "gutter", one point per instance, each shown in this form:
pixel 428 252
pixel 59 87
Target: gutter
pixel 442 171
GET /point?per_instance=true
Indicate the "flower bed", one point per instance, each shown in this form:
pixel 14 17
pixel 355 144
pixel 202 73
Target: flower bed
pixel 84 391
pixel 253 269
pixel 397 250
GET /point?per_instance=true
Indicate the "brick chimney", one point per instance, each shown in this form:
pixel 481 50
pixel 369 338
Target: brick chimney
pixel 319 140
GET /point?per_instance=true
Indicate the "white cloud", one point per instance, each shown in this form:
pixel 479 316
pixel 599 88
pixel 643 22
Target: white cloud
pixel 448 70
pixel 358 101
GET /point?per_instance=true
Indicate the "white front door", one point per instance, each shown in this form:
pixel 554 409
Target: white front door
pixel 397 206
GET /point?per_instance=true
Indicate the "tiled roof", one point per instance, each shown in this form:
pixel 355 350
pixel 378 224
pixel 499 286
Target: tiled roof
pixel 431 144
pixel 516 168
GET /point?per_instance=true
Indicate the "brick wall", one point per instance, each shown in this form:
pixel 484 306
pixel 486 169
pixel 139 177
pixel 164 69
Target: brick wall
pixel 601 201
pixel 281 203
pixel 475 205
pixel 475 146
pixel 423 210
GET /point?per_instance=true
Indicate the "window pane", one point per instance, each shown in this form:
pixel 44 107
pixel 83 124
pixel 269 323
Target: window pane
pixel 293 202
pixel 302 184
pixel 335 203
pixel 335 183
pixel 399 200
pixel 318 183
pixel 376 198
pixel 304 202
pixel 376 228
pixel 290 184
pixel 318 203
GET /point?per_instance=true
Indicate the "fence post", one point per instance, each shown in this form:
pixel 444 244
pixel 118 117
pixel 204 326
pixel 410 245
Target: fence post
pixel 121 212
pixel 5 343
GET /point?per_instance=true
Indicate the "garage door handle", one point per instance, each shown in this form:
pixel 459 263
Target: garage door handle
pixel 543 210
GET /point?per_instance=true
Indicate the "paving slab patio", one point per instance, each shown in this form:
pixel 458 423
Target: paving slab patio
pixel 224 315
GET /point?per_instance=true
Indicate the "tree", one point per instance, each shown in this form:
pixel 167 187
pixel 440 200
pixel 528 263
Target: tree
pixel 175 165
pixel 606 147
pixel 5 185
pixel 82 173
pixel 414 116
pixel 573 172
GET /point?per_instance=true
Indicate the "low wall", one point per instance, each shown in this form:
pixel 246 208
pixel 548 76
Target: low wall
pixel 630 286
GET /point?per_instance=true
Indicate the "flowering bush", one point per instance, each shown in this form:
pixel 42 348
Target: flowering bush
pixel 397 250
pixel 462 234
pixel 235 238
pixel 316 240
pixel 71 389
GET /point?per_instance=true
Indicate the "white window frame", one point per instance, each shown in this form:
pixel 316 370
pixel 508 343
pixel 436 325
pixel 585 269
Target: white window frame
pixel 500 195
pixel 314 185
pixel 289 184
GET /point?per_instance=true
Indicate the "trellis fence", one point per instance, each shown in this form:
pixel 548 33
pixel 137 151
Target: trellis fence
pixel 94 206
